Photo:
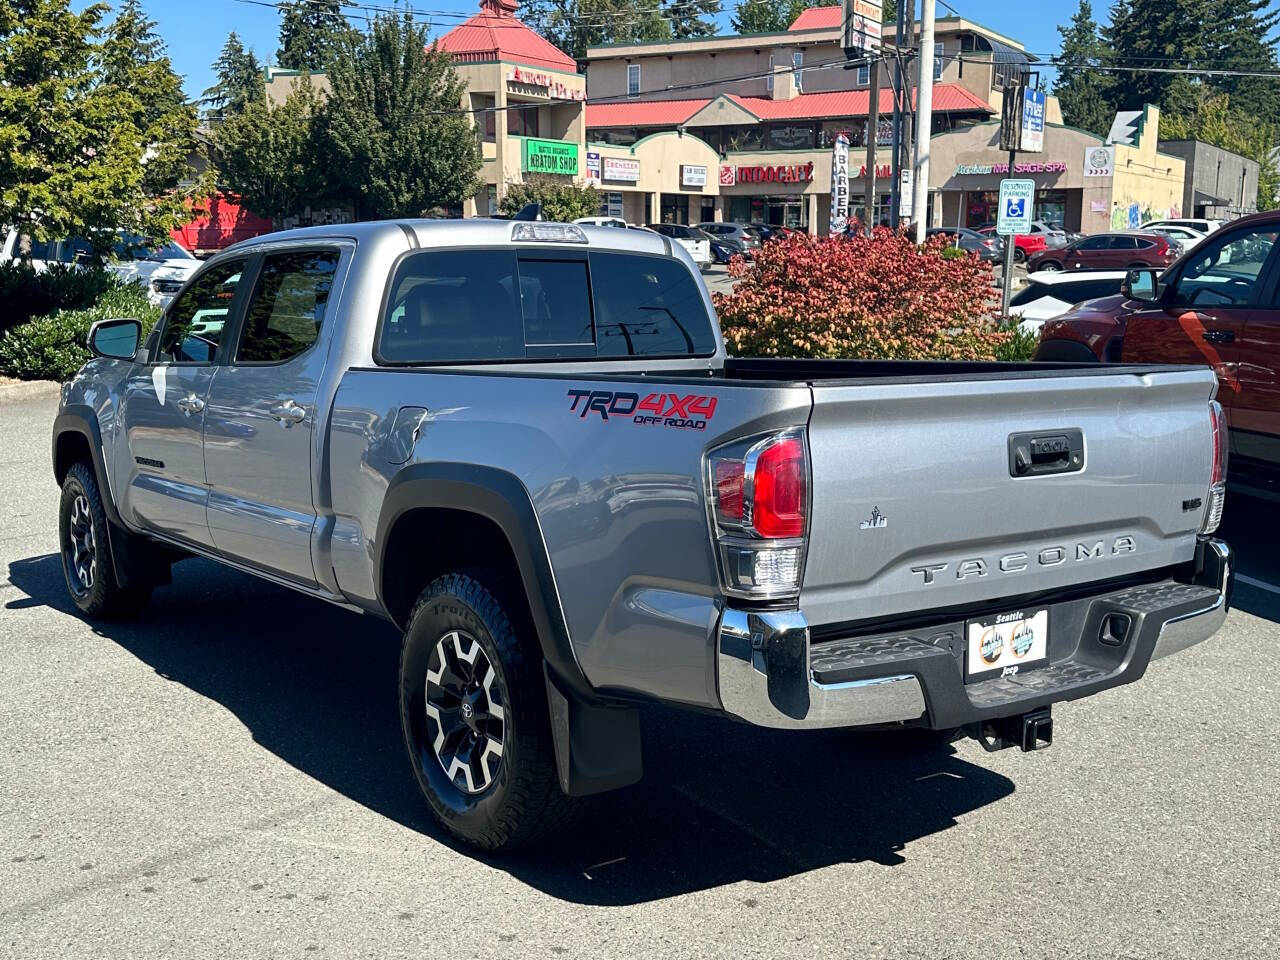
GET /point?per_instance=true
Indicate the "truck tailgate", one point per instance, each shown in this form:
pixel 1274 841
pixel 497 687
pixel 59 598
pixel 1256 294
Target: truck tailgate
pixel 918 506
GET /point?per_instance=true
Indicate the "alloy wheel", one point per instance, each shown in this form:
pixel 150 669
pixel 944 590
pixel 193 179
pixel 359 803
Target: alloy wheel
pixel 466 714
pixel 81 550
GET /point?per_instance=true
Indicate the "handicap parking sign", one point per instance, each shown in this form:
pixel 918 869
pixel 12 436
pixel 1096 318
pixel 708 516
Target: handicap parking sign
pixel 1016 199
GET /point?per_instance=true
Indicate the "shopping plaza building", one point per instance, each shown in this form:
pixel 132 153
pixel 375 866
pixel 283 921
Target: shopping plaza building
pixel 741 127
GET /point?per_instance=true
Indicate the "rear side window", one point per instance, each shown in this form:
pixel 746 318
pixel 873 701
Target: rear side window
pixel 646 306
pixel 288 305
pixel 474 305
pixel 1030 293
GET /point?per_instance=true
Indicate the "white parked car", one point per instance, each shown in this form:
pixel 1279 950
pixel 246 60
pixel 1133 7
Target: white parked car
pixel 1051 293
pixel 691 238
pixel 603 222
pixel 162 270
pixel 1203 226
pixel 1185 237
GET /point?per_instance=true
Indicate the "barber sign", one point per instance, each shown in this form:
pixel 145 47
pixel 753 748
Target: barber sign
pixel 839 184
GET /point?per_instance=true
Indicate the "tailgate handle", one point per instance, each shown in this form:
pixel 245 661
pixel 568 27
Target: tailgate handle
pixel 1045 452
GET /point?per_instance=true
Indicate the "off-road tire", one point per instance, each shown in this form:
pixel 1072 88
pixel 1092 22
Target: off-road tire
pixel 80 508
pixel 523 801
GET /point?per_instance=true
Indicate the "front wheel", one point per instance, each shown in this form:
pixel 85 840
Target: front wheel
pixel 1049 266
pixel 85 549
pixel 473 708
pixel 1019 255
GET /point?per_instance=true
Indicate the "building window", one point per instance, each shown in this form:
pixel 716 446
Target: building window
pixel 522 121
pixel 768 81
pixel 633 79
pixel 797 61
pixel 937 61
pixel 485 115
pixel 862 76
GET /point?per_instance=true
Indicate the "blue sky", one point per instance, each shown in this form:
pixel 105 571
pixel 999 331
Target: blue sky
pixel 196 29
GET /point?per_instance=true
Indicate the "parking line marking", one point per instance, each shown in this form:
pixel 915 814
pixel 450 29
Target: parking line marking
pixel 1260 584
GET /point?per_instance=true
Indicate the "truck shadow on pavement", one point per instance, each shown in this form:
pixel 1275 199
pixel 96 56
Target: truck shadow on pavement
pixel 720 802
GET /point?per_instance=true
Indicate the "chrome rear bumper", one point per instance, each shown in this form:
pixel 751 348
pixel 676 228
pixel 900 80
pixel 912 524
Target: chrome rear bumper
pixel 765 674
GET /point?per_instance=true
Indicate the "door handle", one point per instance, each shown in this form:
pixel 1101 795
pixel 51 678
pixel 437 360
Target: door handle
pixel 190 404
pixel 288 413
pixel 1218 336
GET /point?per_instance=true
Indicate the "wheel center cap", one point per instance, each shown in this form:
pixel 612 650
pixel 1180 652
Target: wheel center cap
pixel 468 711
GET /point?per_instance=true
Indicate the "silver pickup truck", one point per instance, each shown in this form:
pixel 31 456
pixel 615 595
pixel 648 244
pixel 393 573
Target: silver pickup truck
pixel 523 444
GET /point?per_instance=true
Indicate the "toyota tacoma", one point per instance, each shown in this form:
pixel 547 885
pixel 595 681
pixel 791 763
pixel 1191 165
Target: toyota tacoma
pixel 523 444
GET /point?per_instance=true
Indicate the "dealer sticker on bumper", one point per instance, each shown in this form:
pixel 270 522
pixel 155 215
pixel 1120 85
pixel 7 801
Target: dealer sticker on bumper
pixel 1007 644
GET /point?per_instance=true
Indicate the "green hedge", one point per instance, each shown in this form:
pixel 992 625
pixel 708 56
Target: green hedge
pixel 26 293
pixel 52 347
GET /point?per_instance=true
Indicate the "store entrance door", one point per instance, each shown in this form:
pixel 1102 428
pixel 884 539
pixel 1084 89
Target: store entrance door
pixel 675 208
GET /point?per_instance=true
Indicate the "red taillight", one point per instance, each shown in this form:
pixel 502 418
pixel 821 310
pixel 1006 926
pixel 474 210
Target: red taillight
pixel 780 488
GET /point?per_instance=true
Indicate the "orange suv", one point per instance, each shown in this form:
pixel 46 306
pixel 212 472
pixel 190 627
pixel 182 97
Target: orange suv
pixel 1219 305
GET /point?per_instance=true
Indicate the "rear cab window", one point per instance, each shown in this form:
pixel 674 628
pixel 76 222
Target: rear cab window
pixel 485 305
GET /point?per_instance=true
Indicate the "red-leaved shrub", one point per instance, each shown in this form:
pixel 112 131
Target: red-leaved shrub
pixel 873 297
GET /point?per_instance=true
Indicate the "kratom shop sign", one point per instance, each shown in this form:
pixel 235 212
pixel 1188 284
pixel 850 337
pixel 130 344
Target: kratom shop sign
pixel 550 156
pixel 981 169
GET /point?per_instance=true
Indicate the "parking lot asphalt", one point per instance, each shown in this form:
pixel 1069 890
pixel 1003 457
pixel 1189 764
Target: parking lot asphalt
pixel 224 778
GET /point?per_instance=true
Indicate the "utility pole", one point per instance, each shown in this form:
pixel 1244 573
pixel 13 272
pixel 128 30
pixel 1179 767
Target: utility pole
pixel 873 128
pixel 895 195
pixel 908 8
pixel 924 125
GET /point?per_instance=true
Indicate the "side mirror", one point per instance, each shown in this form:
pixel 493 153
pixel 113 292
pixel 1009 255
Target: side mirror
pixel 1142 285
pixel 115 339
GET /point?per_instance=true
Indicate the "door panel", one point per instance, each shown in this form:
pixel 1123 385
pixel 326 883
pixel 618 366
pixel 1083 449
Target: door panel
pixel 164 408
pixel 260 425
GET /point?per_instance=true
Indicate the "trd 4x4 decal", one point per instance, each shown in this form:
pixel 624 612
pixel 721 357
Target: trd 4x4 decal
pixel 689 412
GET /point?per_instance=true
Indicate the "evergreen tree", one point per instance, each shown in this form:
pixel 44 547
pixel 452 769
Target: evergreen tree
pixel 1159 33
pixel 772 16
pixel 1246 31
pixel 394 134
pixel 85 146
pixel 1083 92
pixel 134 61
pixel 691 18
pixel 310 30
pixel 240 80
pixel 575 25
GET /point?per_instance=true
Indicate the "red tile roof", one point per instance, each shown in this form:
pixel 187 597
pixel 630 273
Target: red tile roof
pixel 947 98
pixel 817 18
pixel 495 34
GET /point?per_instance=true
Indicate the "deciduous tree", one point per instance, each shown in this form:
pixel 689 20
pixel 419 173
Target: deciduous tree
pixel 560 200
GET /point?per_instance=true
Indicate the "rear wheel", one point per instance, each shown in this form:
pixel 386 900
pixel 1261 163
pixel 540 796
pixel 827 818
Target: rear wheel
pixel 1019 255
pixel 86 555
pixel 1050 266
pixel 473 708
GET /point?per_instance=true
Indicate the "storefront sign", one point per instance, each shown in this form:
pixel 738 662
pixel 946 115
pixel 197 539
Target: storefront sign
pixel 983 169
pixel 861 24
pixel 593 166
pixel 550 156
pixel 618 168
pixel 550 86
pixel 786 173
pixel 1099 161
pixel 693 175
pixel 839 184
pixel 1033 105
pixel 883 170
pixel 906 195
pixel 728 176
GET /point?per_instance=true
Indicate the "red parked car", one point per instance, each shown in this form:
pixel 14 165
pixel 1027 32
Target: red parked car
pixel 1217 305
pixel 1025 245
pixel 1108 251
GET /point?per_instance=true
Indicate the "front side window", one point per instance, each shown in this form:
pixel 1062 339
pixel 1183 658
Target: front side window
pixel 633 78
pixel 288 305
pixel 194 323
pixel 1095 243
pixel 1224 271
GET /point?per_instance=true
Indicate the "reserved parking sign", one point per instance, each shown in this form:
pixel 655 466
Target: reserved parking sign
pixel 1017 197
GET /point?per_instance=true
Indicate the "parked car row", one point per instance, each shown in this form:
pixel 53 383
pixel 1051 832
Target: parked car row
pixel 161 269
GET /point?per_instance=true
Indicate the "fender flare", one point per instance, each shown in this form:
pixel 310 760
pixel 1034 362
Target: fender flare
pixel 500 497
pixel 82 419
